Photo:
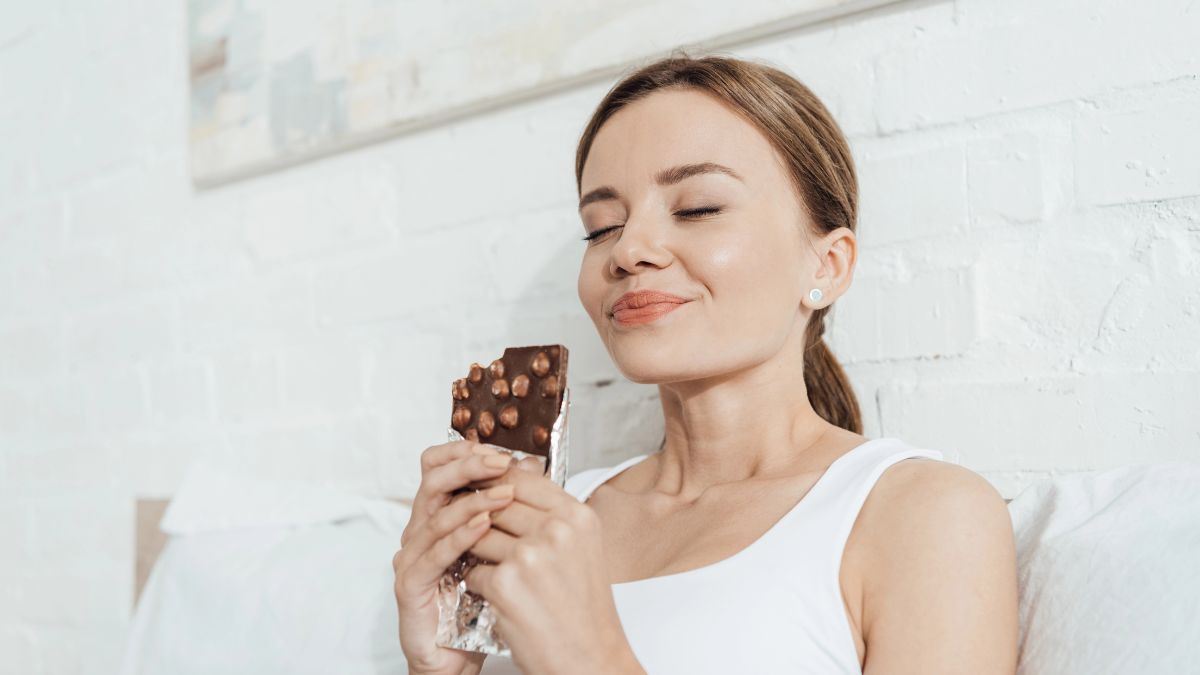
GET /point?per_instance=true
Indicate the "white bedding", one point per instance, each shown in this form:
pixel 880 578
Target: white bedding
pixel 1109 571
pixel 269 577
pixel 265 577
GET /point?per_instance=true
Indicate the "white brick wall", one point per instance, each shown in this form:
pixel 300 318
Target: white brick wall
pixel 1027 299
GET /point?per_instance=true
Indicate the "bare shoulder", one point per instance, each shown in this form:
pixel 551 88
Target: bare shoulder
pixel 937 563
pixel 923 483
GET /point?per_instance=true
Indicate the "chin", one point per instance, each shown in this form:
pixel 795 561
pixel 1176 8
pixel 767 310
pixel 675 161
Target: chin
pixel 644 377
pixel 655 364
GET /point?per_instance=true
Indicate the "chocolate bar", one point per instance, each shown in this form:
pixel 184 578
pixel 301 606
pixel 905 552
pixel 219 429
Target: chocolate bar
pixel 519 402
pixel 514 401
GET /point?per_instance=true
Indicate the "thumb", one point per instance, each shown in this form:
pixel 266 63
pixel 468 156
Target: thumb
pixel 532 464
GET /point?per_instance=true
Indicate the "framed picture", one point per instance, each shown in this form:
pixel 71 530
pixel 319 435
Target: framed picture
pixel 279 82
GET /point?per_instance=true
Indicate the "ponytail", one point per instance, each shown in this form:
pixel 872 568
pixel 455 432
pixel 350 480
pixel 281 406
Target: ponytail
pixel 829 389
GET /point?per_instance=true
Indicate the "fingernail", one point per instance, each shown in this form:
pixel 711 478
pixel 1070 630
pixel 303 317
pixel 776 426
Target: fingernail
pixel 479 519
pixel 499 492
pixel 497 461
pixel 532 465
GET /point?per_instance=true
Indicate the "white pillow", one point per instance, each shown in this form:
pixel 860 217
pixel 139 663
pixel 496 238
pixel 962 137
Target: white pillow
pixel 233 595
pixel 1109 571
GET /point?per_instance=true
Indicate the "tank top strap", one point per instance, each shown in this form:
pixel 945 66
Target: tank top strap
pixel 582 484
pixel 840 494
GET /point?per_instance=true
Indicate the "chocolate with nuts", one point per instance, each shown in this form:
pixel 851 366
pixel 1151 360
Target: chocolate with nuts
pixel 514 401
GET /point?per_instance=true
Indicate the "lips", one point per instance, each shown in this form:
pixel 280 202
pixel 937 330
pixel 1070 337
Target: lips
pixel 644 306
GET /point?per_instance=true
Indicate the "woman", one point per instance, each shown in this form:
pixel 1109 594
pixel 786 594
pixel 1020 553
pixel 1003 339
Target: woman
pixel 766 535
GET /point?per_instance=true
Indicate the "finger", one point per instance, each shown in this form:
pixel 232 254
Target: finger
pixel 427 569
pixel 433 457
pixel 533 464
pixel 480 580
pixel 495 544
pixel 442 480
pixel 534 490
pixel 437 455
pixel 439 482
pixel 519 519
pixel 456 514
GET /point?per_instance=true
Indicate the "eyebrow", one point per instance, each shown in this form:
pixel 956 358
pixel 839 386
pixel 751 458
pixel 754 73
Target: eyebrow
pixel 671 176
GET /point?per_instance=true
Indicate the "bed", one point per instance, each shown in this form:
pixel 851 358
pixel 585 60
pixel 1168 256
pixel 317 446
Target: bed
pixel 239 575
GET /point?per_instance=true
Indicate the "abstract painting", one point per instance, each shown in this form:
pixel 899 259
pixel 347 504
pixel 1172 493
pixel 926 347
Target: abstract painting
pixel 275 82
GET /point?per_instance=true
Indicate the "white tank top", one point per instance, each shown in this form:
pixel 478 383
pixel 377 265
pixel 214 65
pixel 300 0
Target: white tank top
pixel 775 606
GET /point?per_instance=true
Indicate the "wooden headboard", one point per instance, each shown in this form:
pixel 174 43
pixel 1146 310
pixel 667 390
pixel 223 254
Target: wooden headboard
pixel 149 541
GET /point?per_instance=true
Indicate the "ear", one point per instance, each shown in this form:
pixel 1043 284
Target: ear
pixel 836 253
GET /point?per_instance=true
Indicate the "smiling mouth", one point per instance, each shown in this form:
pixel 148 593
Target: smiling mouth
pixel 632 316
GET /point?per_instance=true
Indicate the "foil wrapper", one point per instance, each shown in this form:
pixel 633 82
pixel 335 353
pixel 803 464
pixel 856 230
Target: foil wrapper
pixel 465 619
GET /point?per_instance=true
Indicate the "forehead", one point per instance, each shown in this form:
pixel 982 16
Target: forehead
pixel 670 127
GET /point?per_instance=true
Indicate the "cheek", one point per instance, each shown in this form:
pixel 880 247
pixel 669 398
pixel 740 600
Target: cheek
pixel 745 267
pixel 725 260
pixel 590 285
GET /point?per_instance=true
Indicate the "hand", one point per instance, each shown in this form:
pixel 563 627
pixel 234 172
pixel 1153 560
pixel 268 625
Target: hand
pixel 440 529
pixel 550 579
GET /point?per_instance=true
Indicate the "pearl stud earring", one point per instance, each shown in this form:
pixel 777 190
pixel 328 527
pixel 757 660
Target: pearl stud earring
pixel 815 295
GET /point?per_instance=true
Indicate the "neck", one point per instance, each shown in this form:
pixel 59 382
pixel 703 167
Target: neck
pixel 751 423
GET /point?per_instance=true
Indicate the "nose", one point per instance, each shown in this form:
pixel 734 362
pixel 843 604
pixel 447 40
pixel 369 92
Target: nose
pixel 640 246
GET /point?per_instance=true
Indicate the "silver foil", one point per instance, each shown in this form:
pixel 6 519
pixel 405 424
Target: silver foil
pixel 466 620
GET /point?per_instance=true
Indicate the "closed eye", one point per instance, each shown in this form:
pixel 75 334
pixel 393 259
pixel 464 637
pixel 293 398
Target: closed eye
pixel 687 213
pixel 700 212
pixel 600 232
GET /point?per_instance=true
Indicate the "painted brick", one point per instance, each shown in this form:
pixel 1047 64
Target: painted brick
pixel 17 413
pixel 65 464
pixel 62 405
pixel 426 271
pixel 88 272
pixel 1077 422
pixel 342 453
pixel 322 214
pixel 247 384
pixel 535 255
pixel 120 333
pixel 931 315
pixel 180 394
pixel 321 377
pixel 270 308
pixel 30 350
pixel 1005 181
pixel 911 196
pixel 1139 155
pixel 1032 54
pixel 114 399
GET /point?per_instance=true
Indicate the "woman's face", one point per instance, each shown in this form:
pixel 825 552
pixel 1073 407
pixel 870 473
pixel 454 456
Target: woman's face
pixel 727 237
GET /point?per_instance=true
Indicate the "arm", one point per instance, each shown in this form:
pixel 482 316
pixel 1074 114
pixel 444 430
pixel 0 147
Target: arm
pixel 941 592
pixel 629 666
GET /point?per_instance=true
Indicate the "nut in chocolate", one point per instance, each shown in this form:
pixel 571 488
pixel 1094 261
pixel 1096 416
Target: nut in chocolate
pixel 514 401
